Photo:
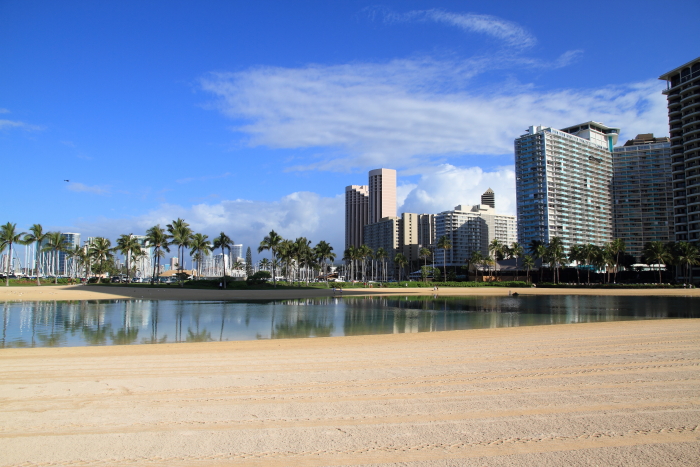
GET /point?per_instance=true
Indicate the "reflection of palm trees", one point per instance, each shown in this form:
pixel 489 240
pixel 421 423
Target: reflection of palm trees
pixel 202 336
pixel 95 336
pixel 124 336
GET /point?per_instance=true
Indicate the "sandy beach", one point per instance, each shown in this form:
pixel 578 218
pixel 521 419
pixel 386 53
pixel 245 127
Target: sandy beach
pixel 79 292
pixel 618 393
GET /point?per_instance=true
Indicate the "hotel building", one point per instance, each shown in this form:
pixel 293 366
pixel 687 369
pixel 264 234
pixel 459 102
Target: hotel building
pixel 563 184
pixel 642 193
pixel 683 94
pixel 382 194
pixel 470 229
pixel 356 214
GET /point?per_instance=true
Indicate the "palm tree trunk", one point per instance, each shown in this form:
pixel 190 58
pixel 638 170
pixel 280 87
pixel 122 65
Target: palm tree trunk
pixel 36 266
pixel 7 268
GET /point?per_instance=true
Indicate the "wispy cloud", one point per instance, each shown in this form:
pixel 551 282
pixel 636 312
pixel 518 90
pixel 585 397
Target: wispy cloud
pixel 7 124
pixel 204 178
pixel 510 33
pixel 4 111
pixel 95 189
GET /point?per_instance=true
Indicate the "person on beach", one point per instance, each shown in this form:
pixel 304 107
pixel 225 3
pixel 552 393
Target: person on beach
pixel 221 286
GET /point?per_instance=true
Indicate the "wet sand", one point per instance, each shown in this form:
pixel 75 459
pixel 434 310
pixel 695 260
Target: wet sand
pixel 618 393
pixel 175 293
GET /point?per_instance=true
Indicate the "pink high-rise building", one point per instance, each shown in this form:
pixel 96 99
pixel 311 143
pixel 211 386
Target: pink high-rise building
pixel 382 194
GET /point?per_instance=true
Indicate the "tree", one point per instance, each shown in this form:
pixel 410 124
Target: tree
pixel 224 242
pixel 181 235
pixel 656 253
pixel 381 255
pixel 248 262
pixel 555 253
pixel 538 251
pixel 575 255
pixel 36 235
pixel 588 253
pixel 55 242
pixel 271 242
pixel 8 237
pixel 401 261
pixel 324 252
pixel 364 252
pixel 688 255
pixel 516 251
pixel 199 248
pixel 617 248
pixel 129 246
pixel 101 251
pixel 158 239
pixel 476 258
pixel 425 254
pixel 529 263
pixel 444 244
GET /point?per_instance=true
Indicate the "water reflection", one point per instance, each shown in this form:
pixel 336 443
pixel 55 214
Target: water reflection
pixel 125 322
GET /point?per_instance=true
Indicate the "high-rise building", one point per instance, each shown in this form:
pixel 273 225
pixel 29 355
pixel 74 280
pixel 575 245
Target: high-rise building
pixel 470 229
pixel 382 194
pixel 237 253
pixel 356 214
pixel 642 192
pixel 683 94
pixel 563 184
pixel 489 198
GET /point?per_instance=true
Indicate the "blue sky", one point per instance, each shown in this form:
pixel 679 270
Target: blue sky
pixel 249 116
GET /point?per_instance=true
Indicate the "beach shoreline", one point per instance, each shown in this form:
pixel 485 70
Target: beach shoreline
pixel 93 292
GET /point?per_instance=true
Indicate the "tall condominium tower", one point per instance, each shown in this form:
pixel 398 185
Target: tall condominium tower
pixel 683 91
pixel 72 240
pixel 563 184
pixel 382 194
pixel 356 214
pixel 642 193
pixel 488 198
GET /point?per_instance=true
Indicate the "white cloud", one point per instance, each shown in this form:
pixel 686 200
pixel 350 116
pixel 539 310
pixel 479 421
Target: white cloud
pixel 6 124
pixel 82 188
pixel 446 186
pixel 4 111
pixel 405 113
pixel 203 178
pixel 507 31
pixel 298 214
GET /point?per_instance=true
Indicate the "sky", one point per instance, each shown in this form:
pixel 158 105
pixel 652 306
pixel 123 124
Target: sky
pixel 245 117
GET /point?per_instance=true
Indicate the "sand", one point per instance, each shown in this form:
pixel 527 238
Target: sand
pixel 619 393
pixel 79 292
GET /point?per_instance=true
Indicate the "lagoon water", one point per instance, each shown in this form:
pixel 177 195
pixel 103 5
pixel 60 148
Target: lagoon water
pixel 119 322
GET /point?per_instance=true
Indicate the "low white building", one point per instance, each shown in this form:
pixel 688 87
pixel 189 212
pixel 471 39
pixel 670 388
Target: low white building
pixel 472 228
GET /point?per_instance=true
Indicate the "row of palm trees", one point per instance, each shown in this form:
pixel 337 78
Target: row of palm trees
pixel 297 259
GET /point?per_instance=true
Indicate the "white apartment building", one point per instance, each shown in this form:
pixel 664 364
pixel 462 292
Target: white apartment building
pixel 470 229
pixel 563 184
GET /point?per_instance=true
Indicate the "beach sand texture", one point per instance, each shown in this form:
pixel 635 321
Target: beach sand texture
pixel 618 393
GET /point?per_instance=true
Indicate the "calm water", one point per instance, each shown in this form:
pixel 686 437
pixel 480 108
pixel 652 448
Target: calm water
pixel 117 322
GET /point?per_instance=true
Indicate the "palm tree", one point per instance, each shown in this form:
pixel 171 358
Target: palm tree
pixel 656 253
pixel 37 235
pixel 444 244
pixel 476 258
pixel 496 249
pixel 129 246
pixel 364 252
pixel 180 234
pixel 8 237
pixel 538 251
pixel 555 252
pixel 158 239
pixel 200 247
pixel 576 255
pixel 223 242
pixel 285 251
pixel 516 251
pixel 425 254
pixel 401 261
pixel 529 263
pixel 324 252
pixel 101 250
pixel 56 242
pixel 688 255
pixel 617 248
pixel 271 242
pixel 381 255
pixel 588 253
